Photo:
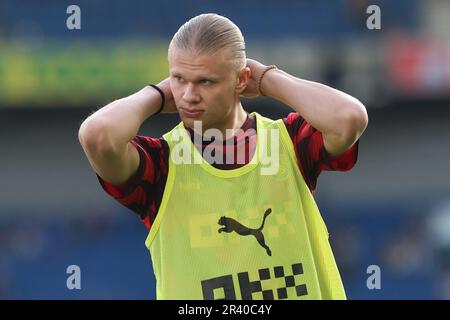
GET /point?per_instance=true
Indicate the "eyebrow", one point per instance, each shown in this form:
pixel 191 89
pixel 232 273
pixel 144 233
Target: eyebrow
pixel 201 77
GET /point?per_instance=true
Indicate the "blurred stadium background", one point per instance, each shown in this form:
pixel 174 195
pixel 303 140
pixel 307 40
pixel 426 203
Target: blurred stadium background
pixel 392 209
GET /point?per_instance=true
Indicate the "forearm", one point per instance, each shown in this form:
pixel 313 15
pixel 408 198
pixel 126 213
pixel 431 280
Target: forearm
pixel 328 110
pixel 119 122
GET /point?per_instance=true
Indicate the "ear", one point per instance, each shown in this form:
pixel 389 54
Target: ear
pixel 243 77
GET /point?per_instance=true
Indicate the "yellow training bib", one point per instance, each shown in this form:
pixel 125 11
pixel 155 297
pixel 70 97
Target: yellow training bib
pixel 249 233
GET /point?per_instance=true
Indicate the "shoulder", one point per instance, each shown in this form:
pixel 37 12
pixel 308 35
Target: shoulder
pixel 312 157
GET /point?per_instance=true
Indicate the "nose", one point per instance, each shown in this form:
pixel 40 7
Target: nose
pixel 190 95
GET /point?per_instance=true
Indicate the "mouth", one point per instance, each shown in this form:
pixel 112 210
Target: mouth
pixel 191 113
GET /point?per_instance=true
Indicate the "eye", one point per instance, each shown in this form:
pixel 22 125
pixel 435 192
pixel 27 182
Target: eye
pixel 205 81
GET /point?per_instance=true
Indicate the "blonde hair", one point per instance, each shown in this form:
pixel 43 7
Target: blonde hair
pixel 207 34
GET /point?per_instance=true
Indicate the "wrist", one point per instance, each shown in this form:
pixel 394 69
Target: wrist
pixel 162 97
pixel 268 81
pixel 150 100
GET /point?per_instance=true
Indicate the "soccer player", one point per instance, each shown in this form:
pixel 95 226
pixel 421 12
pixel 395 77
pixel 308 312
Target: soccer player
pixel 219 226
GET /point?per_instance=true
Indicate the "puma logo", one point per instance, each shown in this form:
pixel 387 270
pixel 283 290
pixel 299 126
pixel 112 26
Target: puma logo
pixel 230 225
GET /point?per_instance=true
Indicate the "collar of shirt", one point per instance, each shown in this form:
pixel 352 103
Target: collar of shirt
pixel 243 136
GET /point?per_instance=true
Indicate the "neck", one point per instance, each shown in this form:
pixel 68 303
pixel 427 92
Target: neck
pixel 234 121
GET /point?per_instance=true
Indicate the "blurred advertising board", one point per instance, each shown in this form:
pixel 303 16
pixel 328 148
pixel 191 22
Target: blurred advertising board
pixel 419 67
pixel 62 74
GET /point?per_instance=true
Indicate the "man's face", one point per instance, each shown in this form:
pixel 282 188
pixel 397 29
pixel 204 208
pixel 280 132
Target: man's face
pixel 204 87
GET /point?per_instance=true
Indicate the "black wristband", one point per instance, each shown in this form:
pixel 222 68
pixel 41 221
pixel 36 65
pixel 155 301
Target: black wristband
pixel 163 97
